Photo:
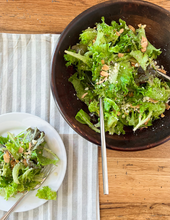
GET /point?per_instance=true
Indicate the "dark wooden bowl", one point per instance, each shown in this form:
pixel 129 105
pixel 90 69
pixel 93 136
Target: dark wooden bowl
pixel 134 12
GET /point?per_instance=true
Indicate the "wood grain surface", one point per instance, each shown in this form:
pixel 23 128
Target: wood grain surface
pixel 45 16
pixel 139 182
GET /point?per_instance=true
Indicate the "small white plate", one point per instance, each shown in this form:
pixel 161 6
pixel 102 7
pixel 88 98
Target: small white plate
pixel 15 123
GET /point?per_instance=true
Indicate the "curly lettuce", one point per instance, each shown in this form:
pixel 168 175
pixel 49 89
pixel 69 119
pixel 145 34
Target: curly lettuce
pixel 108 60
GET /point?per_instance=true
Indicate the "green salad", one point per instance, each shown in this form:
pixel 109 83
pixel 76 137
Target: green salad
pixel 22 161
pixel 116 62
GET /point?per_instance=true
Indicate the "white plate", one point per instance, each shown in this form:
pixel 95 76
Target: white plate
pixel 16 122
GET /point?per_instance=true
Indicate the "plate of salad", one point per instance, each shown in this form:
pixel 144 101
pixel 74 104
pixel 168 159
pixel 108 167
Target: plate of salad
pixel 28 145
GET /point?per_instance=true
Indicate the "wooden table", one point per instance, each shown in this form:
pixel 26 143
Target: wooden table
pixel 139 182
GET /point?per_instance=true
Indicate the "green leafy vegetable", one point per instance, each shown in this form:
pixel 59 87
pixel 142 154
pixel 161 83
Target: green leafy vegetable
pixel 46 193
pixel 116 62
pixel 22 161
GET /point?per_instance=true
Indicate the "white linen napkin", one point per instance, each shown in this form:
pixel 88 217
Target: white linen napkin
pixel 25 87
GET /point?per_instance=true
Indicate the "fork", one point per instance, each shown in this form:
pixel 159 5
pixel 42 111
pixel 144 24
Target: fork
pixel 47 170
pixel 103 143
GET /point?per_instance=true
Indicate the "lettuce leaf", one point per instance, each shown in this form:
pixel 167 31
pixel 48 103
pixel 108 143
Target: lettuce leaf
pixel 46 193
pixel 84 118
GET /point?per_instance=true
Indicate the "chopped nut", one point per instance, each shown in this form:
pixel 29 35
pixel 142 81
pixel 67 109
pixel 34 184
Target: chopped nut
pixel 20 150
pixel 103 73
pixel 142 26
pixel 132 28
pixel 144 44
pixel 105 67
pixel 148 99
pixel 6 157
pixel 121 31
pixel 133 64
pixel 152 100
pixel 102 61
pixel 167 106
pixel 25 162
pixel 94 40
pixel 162 115
pixel 162 71
pixel 135 107
pixel 118 113
pixel 84 95
pixel 17 161
pixel 120 55
pixel 30 145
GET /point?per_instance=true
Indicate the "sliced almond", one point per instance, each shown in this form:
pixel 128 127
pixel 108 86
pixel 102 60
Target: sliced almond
pixel 121 31
pixel 20 150
pixel 103 73
pixel 162 71
pixel 120 55
pixel 133 64
pixel 135 107
pixel 84 95
pixel 6 157
pixel 94 40
pixel 102 61
pixel 132 28
pixel 167 106
pixel 142 26
pixel 152 100
pixel 30 145
pixel 144 44
pixel 105 67
pixel 162 115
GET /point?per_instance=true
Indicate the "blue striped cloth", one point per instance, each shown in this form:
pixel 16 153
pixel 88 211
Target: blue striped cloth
pixel 25 87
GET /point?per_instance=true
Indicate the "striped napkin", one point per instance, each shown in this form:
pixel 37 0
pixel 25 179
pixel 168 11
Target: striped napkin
pixel 25 87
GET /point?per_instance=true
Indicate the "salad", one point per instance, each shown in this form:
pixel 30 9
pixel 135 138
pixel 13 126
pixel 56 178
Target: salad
pixel 116 62
pixel 22 161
